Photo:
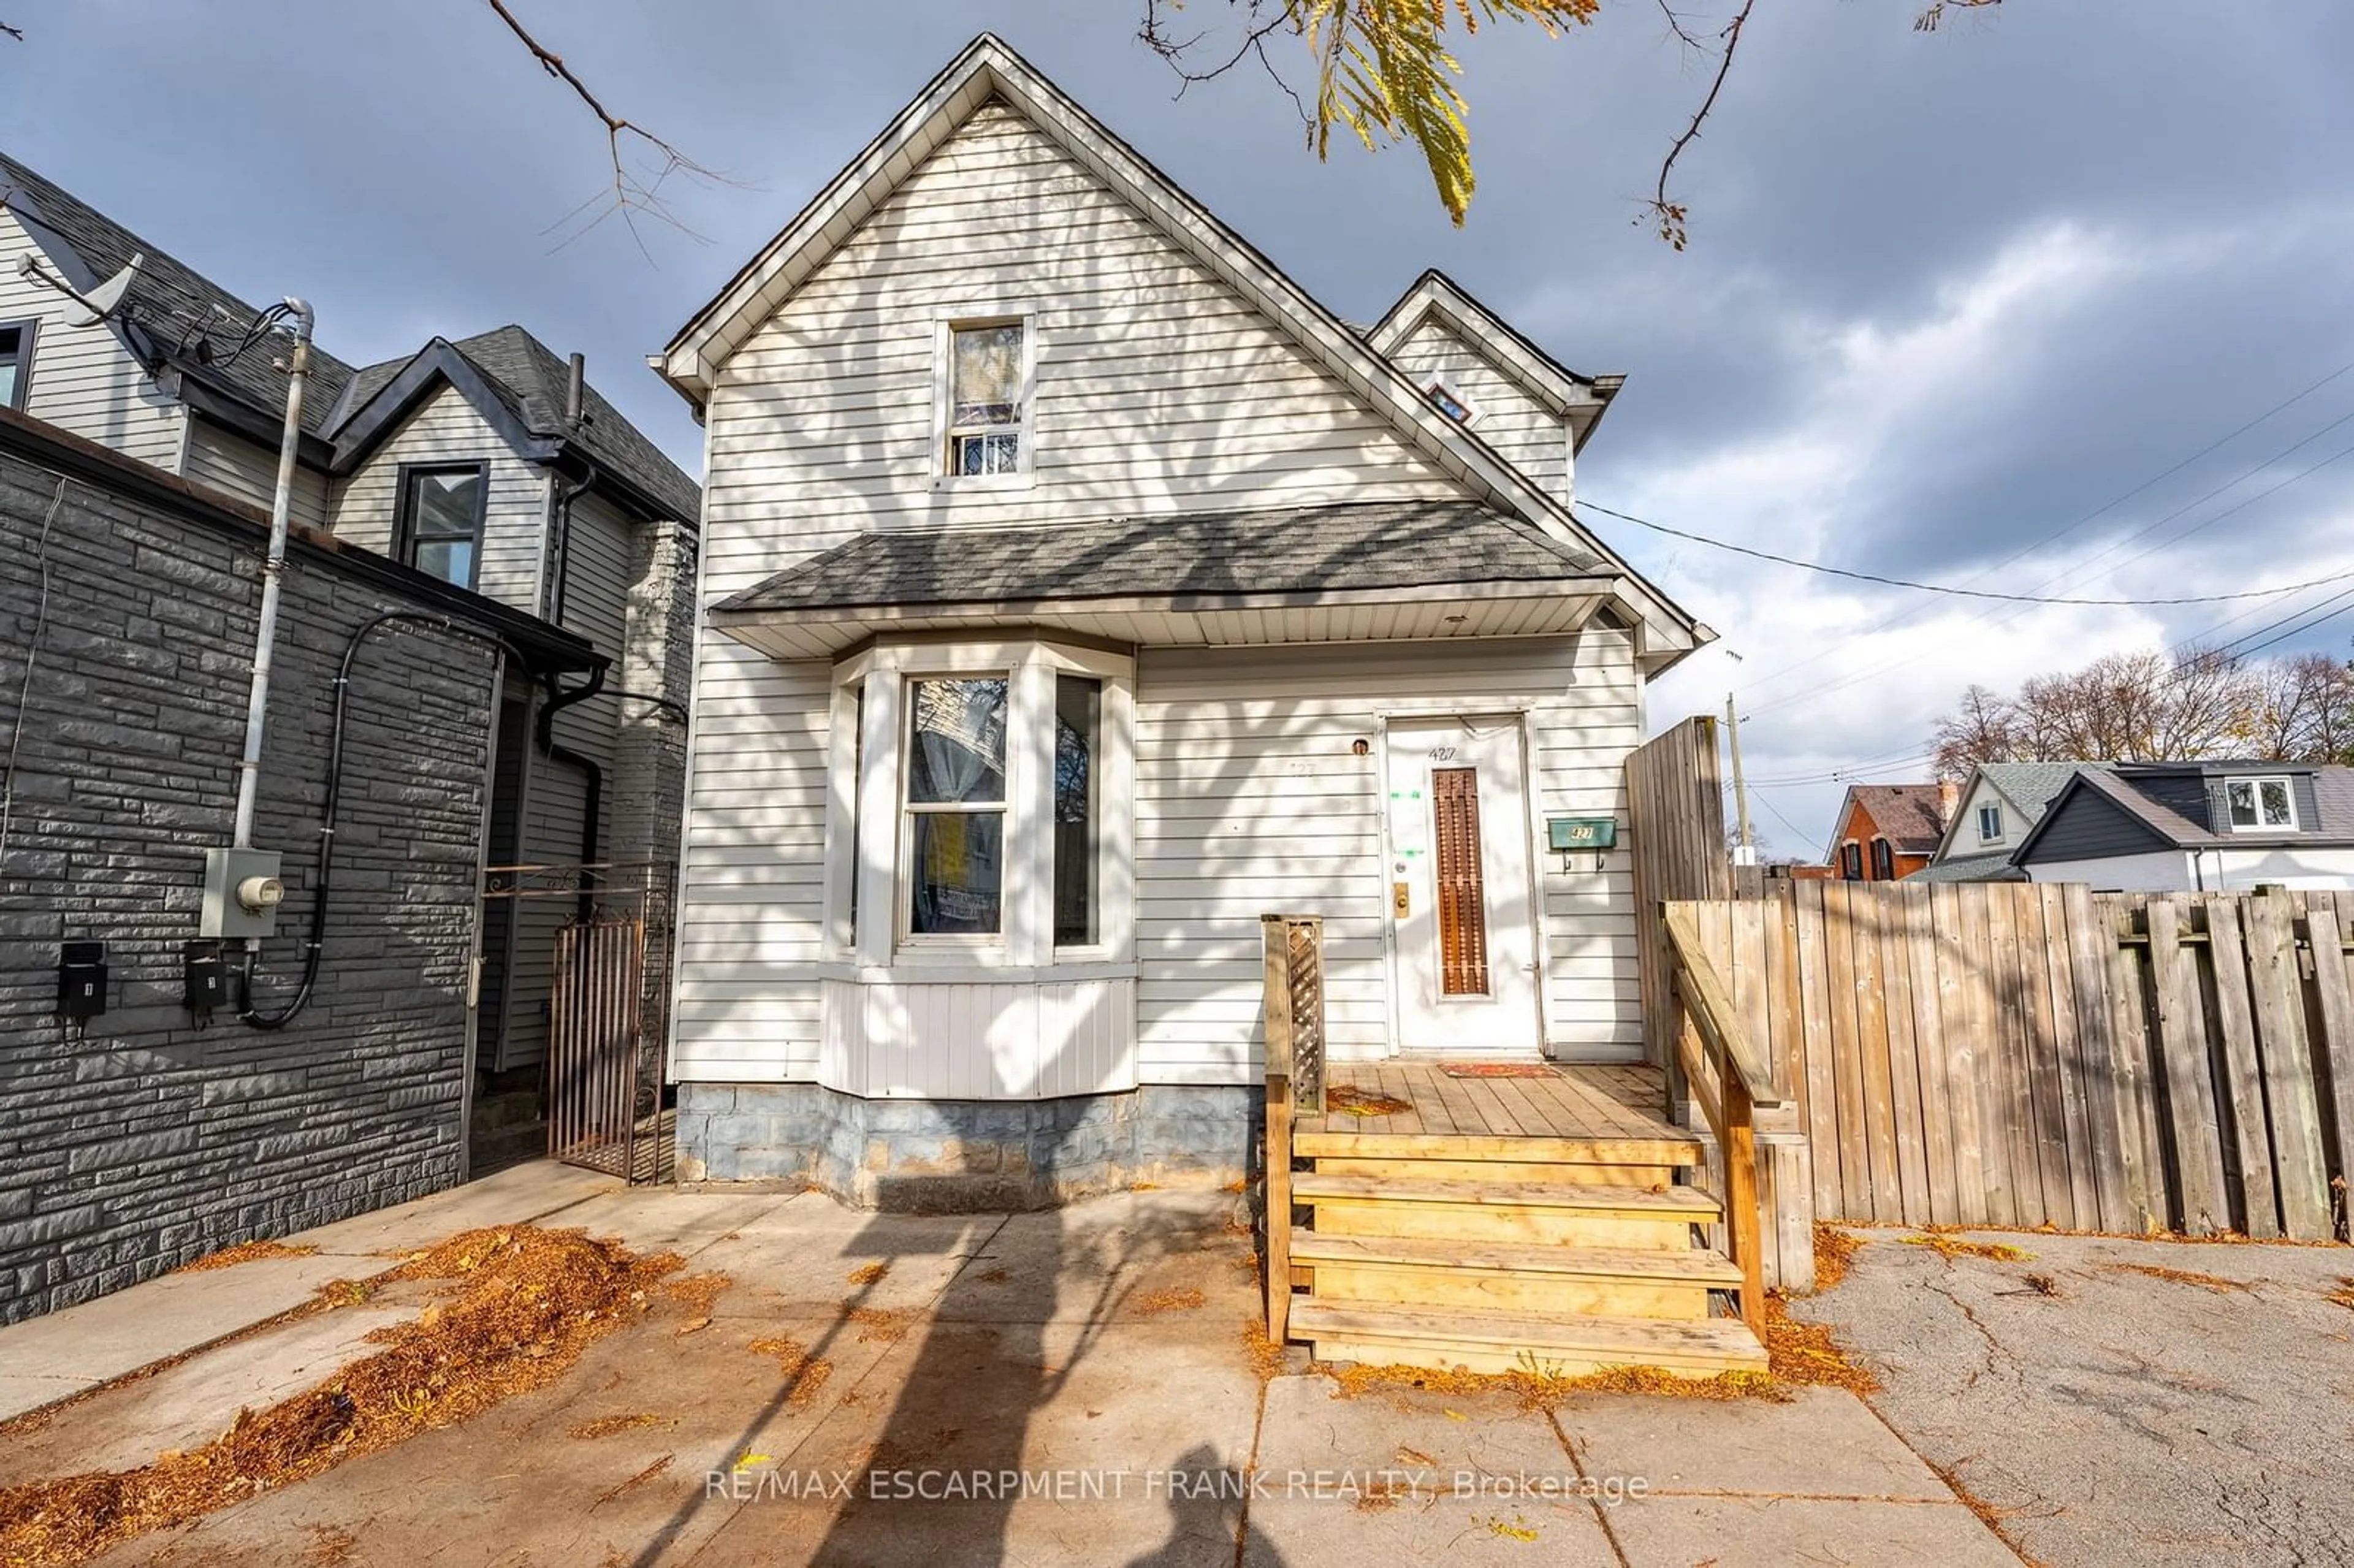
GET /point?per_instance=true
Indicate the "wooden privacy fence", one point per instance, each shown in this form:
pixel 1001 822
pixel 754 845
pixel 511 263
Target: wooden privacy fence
pixel 2035 1054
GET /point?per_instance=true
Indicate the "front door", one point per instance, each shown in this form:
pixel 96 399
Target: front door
pixel 1460 889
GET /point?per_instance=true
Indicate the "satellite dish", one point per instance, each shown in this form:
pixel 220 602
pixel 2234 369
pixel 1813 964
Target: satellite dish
pixel 107 297
pixel 99 303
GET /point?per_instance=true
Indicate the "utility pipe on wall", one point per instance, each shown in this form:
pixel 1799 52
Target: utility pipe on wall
pixel 273 569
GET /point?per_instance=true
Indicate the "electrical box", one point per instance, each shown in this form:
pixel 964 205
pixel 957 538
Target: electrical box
pixel 204 977
pixel 81 979
pixel 242 892
pixel 1567 834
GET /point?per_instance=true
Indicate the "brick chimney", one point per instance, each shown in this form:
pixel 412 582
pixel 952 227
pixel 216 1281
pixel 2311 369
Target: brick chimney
pixel 1949 800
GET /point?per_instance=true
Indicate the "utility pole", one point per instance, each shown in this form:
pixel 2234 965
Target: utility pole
pixel 1745 854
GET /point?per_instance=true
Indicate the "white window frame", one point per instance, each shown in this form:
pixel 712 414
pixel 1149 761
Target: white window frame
pixel 862 790
pixel 903 887
pixel 1026 457
pixel 1995 837
pixel 2256 782
pixel 1439 384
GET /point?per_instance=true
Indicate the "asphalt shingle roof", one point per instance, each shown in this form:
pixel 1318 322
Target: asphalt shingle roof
pixel 1992 866
pixel 170 300
pixel 1905 814
pixel 2032 786
pixel 1356 545
pixel 538 379
pixel 2333 794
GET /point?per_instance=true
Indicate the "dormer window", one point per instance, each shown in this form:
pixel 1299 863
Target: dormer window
pixel 2260 805
pixel 986 399
pixel 1450 403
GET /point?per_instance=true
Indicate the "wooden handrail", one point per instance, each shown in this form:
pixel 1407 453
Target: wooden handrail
pixel 1742 1084
pixel 1712 1011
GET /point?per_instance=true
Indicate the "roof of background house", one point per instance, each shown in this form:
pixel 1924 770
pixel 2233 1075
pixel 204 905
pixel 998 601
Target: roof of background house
pixel 2032 786
pixel 532 380
pixel 170 302
pixel 1355 545
pixel 1994 866
pixel 1906 815
pixel 2127 785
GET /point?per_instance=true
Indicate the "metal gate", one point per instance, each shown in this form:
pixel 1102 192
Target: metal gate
pixel 607 1014
pixel 593 1061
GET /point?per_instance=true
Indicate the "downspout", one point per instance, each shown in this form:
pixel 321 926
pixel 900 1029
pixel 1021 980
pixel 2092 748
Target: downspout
pixel 273 569
pixel 593 806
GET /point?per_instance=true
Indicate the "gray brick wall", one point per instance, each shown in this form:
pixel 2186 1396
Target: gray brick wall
pixel 146 1141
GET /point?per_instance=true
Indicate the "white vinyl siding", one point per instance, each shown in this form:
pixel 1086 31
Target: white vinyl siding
pixel 445 428
pixel 230 463
pixel 1158 389
pixel 1250 800
pixel 1524 432
pixel 83 379
pixel 751 875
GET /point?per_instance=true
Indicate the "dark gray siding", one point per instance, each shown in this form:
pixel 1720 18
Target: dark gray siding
pixel 144 1142
pixel 2088 825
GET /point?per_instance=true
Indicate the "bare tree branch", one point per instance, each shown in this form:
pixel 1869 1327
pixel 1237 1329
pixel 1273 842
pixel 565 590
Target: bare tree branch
pixel 1926 22
pixel 1669 216
pixel 16 33
pixel 632 192
pixel 1263 22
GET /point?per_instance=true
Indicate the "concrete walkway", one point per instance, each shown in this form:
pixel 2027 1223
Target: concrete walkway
pixel 2153 1403
pixel 1062 1388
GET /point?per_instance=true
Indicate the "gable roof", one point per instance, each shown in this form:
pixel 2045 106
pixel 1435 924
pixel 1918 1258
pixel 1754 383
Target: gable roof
pixel 2028 786
pixel 520 388
pixel 1905 814
pixel 986 70
pixel 1580 399
pixel 169 305
pixel 2124 788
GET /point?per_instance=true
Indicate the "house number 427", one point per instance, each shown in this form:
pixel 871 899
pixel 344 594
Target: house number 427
pixel 1442 754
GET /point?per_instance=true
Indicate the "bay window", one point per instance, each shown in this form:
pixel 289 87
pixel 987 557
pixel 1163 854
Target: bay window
pixel 977 814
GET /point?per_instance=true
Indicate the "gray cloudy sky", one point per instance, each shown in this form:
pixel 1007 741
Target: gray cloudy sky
pixel 1945 295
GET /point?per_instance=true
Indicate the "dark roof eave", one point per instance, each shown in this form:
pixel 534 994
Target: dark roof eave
pixel 547 649
pixel 731 611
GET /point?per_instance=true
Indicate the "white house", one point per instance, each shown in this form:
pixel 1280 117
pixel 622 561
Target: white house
pixel 1999 803
pixel 1075 590
pixel 2210 826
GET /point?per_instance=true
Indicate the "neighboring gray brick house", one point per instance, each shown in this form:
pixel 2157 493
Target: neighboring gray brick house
pixel 491 460
pixel 128 600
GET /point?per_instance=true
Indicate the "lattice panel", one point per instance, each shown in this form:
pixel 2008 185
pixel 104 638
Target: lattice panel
pixel 1462 891
pixel 1307 961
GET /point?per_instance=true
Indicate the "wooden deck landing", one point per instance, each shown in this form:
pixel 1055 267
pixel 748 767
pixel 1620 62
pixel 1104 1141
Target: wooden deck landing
pixel 1582 1103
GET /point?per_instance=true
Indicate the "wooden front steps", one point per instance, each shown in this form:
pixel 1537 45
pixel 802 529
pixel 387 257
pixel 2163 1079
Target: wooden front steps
pixel 1458 1338
pixel 1559 1237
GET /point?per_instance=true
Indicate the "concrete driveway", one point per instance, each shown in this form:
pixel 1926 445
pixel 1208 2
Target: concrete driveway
pixel 2121 1401
pixel 1077 1387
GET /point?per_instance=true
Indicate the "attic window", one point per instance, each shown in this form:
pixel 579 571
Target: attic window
pixel 1450 403
pixel 987 399
pixel 2260 805
pixel 16 362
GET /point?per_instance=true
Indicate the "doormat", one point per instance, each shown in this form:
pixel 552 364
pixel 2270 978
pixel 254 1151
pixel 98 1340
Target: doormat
pixel 1496 1070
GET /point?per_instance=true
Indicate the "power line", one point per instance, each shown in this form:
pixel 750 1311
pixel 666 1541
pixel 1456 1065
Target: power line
pixel 1965 592
pixel 1770 676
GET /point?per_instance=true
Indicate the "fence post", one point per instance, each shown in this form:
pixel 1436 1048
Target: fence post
pixel 1275 1008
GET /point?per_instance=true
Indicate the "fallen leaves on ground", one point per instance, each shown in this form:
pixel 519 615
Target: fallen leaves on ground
pixel 607 1425
pixel 523 1305
pixel 883 1325
pixel 869 1273
pixel 1266 1357
pixel 1835 1251
pixel 1357 1102
pixel 1949 1247
pixel 804 1373
pixel 1183 1299
pixel 246 1252
pixel 2214 1282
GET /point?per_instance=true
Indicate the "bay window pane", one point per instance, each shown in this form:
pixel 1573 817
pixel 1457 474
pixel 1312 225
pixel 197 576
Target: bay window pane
pixel 1078 721
pixel 957 749
pixel 958 863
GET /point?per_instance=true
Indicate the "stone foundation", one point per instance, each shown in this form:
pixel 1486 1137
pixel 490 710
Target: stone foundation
pixel 964 1156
